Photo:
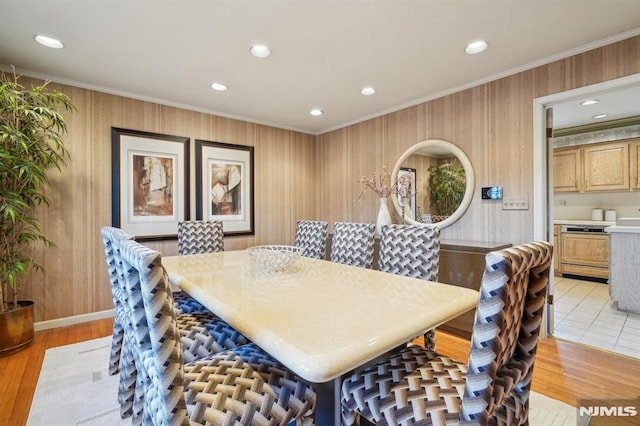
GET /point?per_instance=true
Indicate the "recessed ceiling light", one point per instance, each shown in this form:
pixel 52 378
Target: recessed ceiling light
pixel 368 91
pixel 316 112
pixel 220 87
pixel 600 116
pixel 589 102
pixel 476 47
pixel 49 42
pixel 260 51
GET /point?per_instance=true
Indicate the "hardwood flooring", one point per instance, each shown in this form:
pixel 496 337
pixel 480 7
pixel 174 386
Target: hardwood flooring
pixel 564 371
pixel 19 372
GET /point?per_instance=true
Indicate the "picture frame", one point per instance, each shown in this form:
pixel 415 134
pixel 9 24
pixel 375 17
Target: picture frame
pixel 224 185
pixel 150 183
pixel 410 209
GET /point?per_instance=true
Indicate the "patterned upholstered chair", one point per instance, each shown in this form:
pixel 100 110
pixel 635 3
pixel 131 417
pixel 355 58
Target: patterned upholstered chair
pixel 311 236
pixel 240 386
pixel 352 244
pixel 419 386
pixel 119 297
pixel 121 358
pixel 196 237
pixel 200 236
pixel 202 334
pixel 411 251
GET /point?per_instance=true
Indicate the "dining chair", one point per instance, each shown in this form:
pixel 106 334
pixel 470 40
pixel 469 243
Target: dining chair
pixel 202 334
pixel 118 296
pixel 311 237
pixel 200 236
pixel 352 244
pixel 420 386
pixel 243 385
pixel 411 251
pixel 196 237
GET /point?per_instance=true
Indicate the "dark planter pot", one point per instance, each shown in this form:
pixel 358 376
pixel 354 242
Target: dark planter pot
pixel 16 328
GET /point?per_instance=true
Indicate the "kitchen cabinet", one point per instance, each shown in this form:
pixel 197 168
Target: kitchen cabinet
pixel 595 167
pixel 635 164
pixel 606 167
pixel 585 254
pixel 567 170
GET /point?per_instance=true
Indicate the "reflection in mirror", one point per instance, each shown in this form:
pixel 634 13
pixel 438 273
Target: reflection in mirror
pixel 438 180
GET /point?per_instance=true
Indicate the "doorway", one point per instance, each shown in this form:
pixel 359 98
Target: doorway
pixel 543 180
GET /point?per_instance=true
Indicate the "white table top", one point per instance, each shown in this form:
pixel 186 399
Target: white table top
pixel 319 318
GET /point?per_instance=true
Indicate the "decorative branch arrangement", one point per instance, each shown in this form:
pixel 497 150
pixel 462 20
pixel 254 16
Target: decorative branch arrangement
pixel 380 183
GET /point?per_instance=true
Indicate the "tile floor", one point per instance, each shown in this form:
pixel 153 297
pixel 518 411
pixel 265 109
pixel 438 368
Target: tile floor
pixel 584 313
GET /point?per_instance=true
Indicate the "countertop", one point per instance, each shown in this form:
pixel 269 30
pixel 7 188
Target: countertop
pixel 624 229
pixel 582 222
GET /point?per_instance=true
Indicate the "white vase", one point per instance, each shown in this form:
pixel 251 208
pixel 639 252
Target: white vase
pixel 384 217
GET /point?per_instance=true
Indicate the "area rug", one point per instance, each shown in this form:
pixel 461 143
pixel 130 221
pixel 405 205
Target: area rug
pixel 74 388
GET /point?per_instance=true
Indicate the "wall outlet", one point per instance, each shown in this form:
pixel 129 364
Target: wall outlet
pixel 515 203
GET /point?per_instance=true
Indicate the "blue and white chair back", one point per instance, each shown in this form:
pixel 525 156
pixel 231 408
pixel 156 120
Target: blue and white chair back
pixel 199 236
pixel 311 237
pixel 352 244
pixel 410 250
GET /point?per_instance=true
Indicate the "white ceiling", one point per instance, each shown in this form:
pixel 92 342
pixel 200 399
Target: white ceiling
pixel 324 52
pixel 618 103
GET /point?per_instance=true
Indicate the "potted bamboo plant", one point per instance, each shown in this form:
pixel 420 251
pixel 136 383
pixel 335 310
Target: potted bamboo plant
pixel 31 144
pixel 447 185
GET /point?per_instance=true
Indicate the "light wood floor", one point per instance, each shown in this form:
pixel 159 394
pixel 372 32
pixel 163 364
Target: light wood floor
pixel 563 370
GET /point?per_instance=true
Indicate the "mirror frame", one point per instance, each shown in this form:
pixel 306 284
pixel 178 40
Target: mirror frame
pixel 469 176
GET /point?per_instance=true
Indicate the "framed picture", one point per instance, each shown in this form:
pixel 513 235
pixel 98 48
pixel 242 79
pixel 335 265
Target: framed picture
pixel 407 191
pixel 224 185
pixel 150 183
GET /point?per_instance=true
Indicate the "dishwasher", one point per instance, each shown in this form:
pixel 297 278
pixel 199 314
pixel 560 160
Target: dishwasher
pixel 584 252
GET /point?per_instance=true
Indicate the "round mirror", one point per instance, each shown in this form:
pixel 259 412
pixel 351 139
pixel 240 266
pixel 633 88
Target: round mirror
pixel 435 183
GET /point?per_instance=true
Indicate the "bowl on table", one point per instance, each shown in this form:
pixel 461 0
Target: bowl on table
pixel 273 258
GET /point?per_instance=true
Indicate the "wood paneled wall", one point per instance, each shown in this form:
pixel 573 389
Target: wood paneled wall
pixel 301 176
pixel 492 123
pixel 76 279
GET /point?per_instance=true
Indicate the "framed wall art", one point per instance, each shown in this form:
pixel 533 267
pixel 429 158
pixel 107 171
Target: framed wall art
pixel 224 185
pixel 150 183
pixel 407 191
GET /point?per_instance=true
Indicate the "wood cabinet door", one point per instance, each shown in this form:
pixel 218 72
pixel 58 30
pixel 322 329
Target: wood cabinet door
pixel 567 170
pixel 606 167
pixel 585 249
pixel 635 165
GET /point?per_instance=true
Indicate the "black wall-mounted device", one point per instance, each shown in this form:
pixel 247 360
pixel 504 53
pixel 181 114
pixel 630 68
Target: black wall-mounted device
pixel 492 193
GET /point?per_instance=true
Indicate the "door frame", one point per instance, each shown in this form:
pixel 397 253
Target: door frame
pixel 542 156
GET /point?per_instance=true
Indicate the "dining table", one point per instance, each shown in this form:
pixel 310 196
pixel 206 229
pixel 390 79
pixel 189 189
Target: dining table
pixel 320 319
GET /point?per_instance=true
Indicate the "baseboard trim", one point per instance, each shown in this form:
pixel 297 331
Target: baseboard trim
pixel 77 319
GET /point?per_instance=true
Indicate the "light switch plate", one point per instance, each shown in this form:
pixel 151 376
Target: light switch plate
pixel 515 203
